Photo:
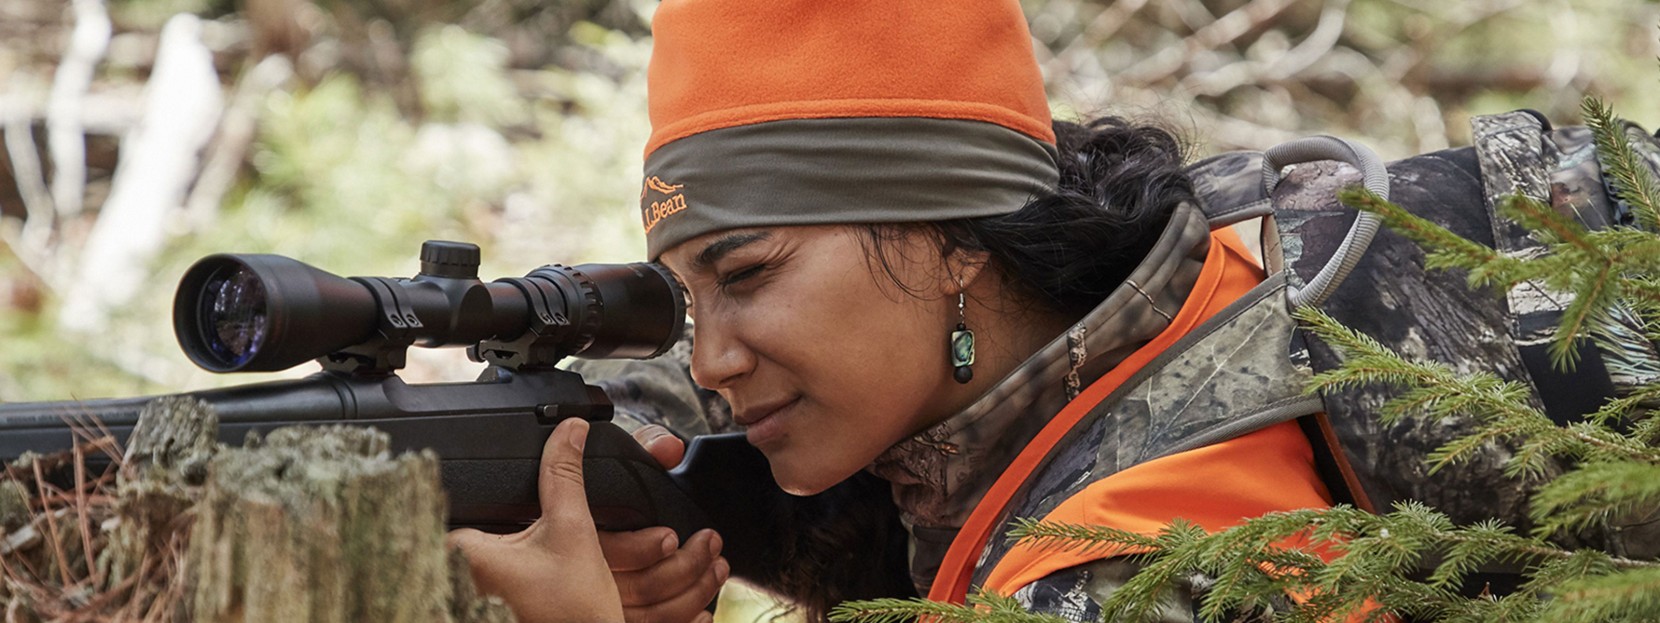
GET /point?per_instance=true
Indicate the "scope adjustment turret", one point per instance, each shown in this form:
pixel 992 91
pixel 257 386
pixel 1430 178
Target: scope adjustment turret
pixel 452 260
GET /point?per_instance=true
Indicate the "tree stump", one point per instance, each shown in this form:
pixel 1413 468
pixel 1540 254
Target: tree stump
pixel 323 524
pixel 306 524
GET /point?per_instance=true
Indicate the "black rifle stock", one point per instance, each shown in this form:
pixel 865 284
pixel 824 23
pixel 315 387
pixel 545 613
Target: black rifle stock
pixel 488 436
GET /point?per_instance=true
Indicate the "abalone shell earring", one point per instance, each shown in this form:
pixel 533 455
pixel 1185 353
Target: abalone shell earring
pixel 962 347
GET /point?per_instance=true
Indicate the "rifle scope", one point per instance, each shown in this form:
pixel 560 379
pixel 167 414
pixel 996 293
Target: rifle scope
pixel 262 313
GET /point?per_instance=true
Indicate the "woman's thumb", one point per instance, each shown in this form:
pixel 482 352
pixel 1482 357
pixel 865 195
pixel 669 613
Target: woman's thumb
pixel 559 481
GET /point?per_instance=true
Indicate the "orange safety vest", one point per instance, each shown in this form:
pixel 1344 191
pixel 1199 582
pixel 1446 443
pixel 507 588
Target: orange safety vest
pixel 1216 486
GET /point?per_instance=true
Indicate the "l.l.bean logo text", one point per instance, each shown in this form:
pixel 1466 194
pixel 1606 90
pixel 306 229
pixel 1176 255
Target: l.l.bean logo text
pixel 672 202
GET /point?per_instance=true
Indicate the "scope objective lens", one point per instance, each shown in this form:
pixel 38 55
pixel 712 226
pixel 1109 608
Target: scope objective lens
pixel 234 314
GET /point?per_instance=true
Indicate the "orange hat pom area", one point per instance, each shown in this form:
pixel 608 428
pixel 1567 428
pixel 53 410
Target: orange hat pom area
pixel 797 112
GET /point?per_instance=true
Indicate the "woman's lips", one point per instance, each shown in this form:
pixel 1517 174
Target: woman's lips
pixel 765 425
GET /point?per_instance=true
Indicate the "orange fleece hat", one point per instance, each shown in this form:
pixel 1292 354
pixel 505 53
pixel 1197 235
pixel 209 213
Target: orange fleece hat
pixel 723 63
pixel 818 101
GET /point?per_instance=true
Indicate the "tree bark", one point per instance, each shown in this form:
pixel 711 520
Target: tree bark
pixel 306 524
pixel 324 524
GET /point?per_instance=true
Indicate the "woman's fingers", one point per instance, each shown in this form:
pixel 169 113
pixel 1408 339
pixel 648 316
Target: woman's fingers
pixel 688 605
pixel 637 549
pixel 661 444
pixel 687 571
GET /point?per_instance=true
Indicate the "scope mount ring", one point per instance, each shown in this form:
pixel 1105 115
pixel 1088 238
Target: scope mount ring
pixel 537 347
pixel 397 326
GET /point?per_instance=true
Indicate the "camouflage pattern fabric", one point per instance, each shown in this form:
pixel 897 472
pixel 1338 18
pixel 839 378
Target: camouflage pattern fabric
pixel 1513 153
pixel 659 391
pixel 1434 315
pixel 1391 297
pixel 1228 377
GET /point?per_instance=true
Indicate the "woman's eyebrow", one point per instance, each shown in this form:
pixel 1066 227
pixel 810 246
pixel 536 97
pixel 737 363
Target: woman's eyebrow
pixel 725 245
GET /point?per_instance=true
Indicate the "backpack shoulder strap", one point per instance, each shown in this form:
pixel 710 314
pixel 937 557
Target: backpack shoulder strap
pixel 1230 188
pixel 1511 149
pixel 1517 157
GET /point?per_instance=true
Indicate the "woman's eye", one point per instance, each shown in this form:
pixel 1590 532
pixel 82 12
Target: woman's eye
pixel 737 276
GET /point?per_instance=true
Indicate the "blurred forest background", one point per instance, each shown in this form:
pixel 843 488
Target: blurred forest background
pixel 140 135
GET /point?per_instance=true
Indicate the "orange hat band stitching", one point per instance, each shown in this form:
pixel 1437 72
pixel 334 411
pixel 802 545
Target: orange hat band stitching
pixel 828 109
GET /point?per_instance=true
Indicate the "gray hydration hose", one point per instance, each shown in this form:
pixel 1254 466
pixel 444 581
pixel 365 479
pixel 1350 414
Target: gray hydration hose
pixel 1366 224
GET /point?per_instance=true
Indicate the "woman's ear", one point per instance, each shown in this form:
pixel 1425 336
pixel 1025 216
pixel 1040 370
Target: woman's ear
pixel 962 267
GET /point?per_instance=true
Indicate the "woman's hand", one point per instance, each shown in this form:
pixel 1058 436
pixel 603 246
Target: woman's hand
pixel 660 580
pixel 553 571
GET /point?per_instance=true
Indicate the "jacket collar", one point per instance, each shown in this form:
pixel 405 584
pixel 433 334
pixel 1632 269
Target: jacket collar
pixel 939 475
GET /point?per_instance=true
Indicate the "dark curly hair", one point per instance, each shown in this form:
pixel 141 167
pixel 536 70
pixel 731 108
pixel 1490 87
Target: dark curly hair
pixel 1064 251
pixel 1067 249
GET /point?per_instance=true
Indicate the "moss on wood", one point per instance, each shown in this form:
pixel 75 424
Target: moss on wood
pixel 315 524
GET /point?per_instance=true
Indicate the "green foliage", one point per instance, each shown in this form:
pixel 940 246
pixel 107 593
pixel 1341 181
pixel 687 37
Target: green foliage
pixel 983 608
pixel 1633 180
pixel 464 78
pixel 535 165
pixel 1629 596
pixel 1412 562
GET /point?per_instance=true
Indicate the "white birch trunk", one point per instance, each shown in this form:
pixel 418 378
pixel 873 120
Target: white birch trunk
pixel 159 160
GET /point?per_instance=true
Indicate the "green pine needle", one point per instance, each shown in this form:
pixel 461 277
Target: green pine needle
pixel 1634 183
pixel 1629 596
pixel 981 608
pixel 1594 493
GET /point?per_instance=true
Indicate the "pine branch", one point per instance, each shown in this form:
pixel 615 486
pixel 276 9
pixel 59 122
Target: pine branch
pixel 1375 572
pixel 981 608
pixel 1449 250
pixel 1549 226
pixel 1547 577
pixel 1644 289
pixel 1595 493
pixel 1631 596
pixel 1632 358
pixel 1646 430
pixel 1634 183
pixel 1497 404
pixel 1596 298
pixel 1086 539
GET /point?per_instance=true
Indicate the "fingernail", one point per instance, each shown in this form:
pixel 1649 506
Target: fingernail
pixel 670 543
pixel 722 569
pixel 578 434
pixel 714 543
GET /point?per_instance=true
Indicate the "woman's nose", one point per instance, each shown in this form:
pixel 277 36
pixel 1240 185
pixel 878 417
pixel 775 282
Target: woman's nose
pixel 719 356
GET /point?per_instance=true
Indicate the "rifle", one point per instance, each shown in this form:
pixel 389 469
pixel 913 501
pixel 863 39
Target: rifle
pixel 266 312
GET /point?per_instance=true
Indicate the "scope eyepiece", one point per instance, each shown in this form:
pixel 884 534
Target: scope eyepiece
pixel 262 313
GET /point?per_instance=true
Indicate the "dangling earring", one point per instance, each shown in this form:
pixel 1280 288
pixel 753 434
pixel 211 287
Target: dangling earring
pixel 962 347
